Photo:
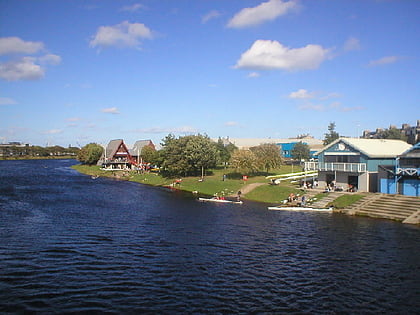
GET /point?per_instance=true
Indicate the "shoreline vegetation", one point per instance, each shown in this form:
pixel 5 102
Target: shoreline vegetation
pixel 256 188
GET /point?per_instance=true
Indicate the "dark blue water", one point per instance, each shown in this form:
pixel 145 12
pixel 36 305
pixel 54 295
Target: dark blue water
pixel 71 244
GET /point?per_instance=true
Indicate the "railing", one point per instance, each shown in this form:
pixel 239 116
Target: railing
pixel 335 166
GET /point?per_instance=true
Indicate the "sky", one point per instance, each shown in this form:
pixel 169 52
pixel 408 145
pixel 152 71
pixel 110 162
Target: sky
pixel 75 72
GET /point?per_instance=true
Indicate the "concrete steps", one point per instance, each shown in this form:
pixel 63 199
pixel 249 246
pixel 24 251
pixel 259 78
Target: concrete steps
pixel 393 207
pixel 323 203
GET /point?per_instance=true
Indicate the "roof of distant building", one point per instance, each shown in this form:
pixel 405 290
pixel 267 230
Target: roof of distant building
pixel 374 148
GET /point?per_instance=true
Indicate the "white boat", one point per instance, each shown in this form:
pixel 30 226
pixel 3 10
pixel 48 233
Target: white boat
pixel 287 208
pixel 220 200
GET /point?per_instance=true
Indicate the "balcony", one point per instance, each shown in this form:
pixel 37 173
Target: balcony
pixel 335 166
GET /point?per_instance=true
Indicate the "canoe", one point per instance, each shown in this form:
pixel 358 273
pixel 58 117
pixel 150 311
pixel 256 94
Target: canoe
pixel 220 200
pixel 286 208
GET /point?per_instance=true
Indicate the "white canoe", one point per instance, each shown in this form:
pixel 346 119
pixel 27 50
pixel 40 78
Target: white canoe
pixel 301 209
pixel 220 200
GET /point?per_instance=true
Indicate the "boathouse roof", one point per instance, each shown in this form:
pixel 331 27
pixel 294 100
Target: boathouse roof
pixel 373 148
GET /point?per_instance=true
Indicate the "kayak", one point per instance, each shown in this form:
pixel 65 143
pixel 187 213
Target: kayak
pixel 220 200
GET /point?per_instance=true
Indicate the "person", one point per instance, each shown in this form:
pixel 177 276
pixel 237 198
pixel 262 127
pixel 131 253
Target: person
pixel 303 201
pixel 239 195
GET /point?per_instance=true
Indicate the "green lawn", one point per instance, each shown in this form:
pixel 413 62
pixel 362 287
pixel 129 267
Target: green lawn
pixel 272 193
pixel 213 182
pixel 346 200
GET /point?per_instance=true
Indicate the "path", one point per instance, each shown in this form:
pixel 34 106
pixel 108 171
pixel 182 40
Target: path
pixel 247 188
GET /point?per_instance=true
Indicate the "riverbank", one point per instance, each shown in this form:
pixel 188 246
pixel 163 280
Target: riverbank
pixel 255 188
pixel 27 157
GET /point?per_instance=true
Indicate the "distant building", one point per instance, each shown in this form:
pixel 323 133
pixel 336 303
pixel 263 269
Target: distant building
pixel 411 132
pixel 285 145
pixel 9 149
pixel 351 162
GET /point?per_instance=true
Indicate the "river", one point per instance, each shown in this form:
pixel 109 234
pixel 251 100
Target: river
pixel 73 244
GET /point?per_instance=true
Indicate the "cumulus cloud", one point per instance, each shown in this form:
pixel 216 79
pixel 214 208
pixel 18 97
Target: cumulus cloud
pixel 231 123
pixel 110 110
pixel 28 67
pixel 383 61
pixel 213 14
pixel 22 69
pixel 121 35
pixel 132 8
pixel 302 94
pixel 272 55
pixel 50 59
pixel 253 75
pixel 352 44
pixel 52 131
pixel 266 11
pixel 15 45
pixel 176 130
pixel 7 101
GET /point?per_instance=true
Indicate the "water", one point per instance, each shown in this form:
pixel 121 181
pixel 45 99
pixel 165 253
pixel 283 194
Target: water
pixel 71 244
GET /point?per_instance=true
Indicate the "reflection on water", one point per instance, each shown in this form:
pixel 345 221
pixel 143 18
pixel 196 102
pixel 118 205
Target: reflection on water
pixel 72 244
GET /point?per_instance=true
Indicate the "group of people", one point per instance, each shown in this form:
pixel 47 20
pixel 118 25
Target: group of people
pixel 295 199
pixel 309 185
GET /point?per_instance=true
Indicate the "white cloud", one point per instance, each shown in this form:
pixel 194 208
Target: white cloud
pixel 266 11
pixel 383 61
pixel 214 14
pixel 110 110
pixel 271 55
pixel 27 68
pixel 50 59
pixel 7 101
pixel 253 75
pixel 132 8
pixel 73 119
pixel 231 123
pixel 52 131
pixel 15 45
pixel 310 106
pixel 22 69
pixel 121 35
pixel 302 94
pixel 176 130
pixel 352 44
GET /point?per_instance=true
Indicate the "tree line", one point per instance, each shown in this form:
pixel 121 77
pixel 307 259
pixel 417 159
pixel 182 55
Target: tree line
pixel 194 155
pixel 37 151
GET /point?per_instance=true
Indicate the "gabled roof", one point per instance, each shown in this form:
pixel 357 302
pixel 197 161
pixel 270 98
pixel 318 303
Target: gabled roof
pixel 112 147
pixel 373 148
pixel 413 152
pixel 139 145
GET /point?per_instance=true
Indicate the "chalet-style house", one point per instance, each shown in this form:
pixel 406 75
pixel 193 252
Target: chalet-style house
pixel 404 177
pixel 138 146
pixel 117 156
pixel 349 163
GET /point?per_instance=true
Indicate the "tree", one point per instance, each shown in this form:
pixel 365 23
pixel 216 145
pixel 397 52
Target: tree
pixel 392 133
pixel 149 154
pixel 268 155
pixel 301 151
pixel 188 155
pixel 332 135
pixel 245 160
pixel 225 151
pixel 90 154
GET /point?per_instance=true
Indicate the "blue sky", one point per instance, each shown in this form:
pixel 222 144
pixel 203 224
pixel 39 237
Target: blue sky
pixel 75 72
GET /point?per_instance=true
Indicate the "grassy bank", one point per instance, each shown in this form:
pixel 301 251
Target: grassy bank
pixel 212 184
